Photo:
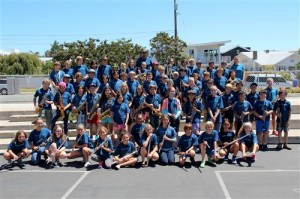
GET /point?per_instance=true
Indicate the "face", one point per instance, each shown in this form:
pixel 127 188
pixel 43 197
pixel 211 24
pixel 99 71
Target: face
pixel 102 133
pixel 79 78
pixel 191 96
pixel 242 97
pixel 46 85
pixel 213 91
pixel 120 99
pixel 149 129
pixel 67 65
pixel 188 131
pixel 125 138
pixel 116 76
pixel 166 121
pixel 66 80
pixel 263 95
pixel 227 89
pixel 21 137
pixel 199 65
pixel 247 128
pixel 107 92
pixel 270 83
pixel 226 126
pixel 131 63
pixel 39 123
pixel 149 77
pixel 80 130
pixel 58 132
pixel 139 119
pixel 80 91
pixel 139 90
pixel 172 92
pixel 93 89
pixel 253 87
pixel 208 128
pixel 79 62
pixel 62 88
pixel 152 90
pixel 104 61
pixel 91 74
pixel 95 65
pixel 282 96
pixel 57 67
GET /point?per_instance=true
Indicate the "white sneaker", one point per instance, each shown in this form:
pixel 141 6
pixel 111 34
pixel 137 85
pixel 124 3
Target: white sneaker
pixel 87 164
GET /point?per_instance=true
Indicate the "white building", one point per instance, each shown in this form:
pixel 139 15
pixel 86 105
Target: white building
pixel 11 51
pixel 280 60
pixel 206 52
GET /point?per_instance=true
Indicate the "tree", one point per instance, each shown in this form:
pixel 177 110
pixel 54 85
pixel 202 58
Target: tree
pixel 164 47
pixel 20 64
pixel 116 51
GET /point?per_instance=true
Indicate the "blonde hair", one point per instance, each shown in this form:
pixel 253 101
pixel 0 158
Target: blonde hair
pixel 160 67
pixel 78 58
pixel 209 124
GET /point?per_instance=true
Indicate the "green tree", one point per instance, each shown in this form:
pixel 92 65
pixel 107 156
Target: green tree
pixel 20 64
pixel 164 47
pixel 116 51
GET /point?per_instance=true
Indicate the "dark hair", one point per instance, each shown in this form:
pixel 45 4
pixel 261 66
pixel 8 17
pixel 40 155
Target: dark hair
pixel 103 97
pixel 94 62
pixel 17 135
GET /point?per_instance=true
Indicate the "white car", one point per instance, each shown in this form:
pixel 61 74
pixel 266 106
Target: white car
pixel 3 87
pixel 261 81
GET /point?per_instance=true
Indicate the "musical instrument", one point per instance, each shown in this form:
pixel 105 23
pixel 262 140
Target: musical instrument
pixel 126 156
pixel 39 107
pixel 61 107
pixel 106 113
pixel 98 147
pixel 162 143
pixel 141 107
pixel 154 110
pixel 193 112
pixel 94 110
pixel 77 140
pixel 52 157
pixel 148 151
pixel 232 142
pixel 77 110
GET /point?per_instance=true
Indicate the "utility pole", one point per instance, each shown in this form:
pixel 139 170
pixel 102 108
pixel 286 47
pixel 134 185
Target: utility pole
pixel 175 18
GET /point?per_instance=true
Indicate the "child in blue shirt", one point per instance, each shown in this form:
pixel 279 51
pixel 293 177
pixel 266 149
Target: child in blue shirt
pixel 18 148
pixel 148 82
pixel 272 96
pixel 228 102
pixel 187 144
pixel 226 135
pixel 103 148
pixel 83 145
pixel 137 131
pixel 248 143
pixel 56 149
pixel 252 97
pixel 262 110
pixel 166 138
pixel 38 139
pixel 124 153
pixel 149 145
pixel 282 108
pixel 208 143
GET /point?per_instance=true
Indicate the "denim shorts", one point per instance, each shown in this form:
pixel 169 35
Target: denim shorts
pixel 262 126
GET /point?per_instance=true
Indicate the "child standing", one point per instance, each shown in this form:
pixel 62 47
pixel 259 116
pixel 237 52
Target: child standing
pixel 282 107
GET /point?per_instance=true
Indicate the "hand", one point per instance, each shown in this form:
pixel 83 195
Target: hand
pixel 244 155
pixel 213 119
pixel 226 143
pixel 252 154
pixel 160 145
pixel 116 159
pixel 150 135
pixel 35 148
pixel 165 137
pixel 194 109
pixel 125 159
pixel 151 106
pixel 15 157
pixel 205 143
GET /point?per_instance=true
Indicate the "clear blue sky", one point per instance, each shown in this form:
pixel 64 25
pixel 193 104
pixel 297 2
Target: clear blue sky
pixel 260 24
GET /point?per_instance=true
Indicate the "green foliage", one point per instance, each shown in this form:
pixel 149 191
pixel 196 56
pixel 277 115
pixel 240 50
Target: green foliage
pixel 286 75
pixel 164 47
pixel 117 51
pixel 298 66
pixel 20 64
pixel 47 67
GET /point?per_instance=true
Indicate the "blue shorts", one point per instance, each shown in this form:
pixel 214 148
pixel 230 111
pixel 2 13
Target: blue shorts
pixel 282 127
pixel 106 120
pixel 262 127
pixel 210 152
pixel 196 127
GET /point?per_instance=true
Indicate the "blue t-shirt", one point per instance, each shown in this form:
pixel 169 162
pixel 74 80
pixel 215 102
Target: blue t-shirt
pixel 284 107
pixel 38 137
pixel 132 85
pixel 84 139
pixel 115 84
pixel 271 94
pixel 177 83
pixel 187 109
pixel 252 97
pixel 146 85
pixel 226 136
pixel 162 89
pixel 261 106
pixel 107 144
pixel 70 88
pixel 220 82
pixel 212 73
pixel 18 147
pixel 56 76
pixel 91 100
pixel 240 107
pixel 69 71
pixel 214 103
pixel 136 132
pixel 77 84
pixel 137 101
pixel 60 143
pixel 199 71
pixel 102 86
pixel 239 70
pixel 147 60
pixel 209 138
pixel 104 70
pixel 90 81
pixel 153 99
pixel 195 89
pixel 120 111
pixel 190 70
pixel 127 98
pixel 66 98
pixel 186 142
pixel 41 93
pixel 78 100
pixel 83 69
pixel 124 149
pixel 228 99
pixel 153 141
pixel 170 133
pixel 248 140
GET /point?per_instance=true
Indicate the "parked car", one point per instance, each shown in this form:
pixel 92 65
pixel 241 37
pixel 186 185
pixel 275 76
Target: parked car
pixel 3 87
pixel 261 80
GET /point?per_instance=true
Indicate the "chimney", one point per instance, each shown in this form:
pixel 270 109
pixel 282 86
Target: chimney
pixel 254 55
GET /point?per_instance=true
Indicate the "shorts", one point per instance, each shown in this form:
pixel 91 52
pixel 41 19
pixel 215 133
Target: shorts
pixel 106 120
pixel 94 120
pixel 210 152
pixel 120 127
pixel 262 126
pixel 282 127
pixel 80 151
pixel 252 118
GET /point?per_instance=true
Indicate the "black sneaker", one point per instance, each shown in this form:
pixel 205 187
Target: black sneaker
pixel 261 147
pixel 285 146
pixel 192 160
pixel 21 163
pixel 54 165
pixel 279 146
pixel 266 147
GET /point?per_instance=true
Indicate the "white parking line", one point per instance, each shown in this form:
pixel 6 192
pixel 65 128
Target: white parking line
pixel 42 171
pixel 75 185
pixel 224 188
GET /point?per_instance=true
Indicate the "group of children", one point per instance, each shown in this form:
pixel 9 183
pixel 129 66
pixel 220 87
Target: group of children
pixel 124 113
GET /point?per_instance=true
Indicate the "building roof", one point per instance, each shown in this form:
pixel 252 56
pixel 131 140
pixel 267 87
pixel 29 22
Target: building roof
pixel 270 58
pixel 226 49
pixel 220 43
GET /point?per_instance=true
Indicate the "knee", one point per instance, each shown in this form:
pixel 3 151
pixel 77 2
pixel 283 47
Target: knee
pixel 222 152
pixel 6 156
pixel 192 153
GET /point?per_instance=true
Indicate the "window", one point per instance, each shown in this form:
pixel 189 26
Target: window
pixel 292 60
pixel 278 79
pixel 191 51
pixel 250 79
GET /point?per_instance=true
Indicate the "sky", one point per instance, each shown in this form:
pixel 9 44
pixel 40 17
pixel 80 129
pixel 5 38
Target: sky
pixel 33 25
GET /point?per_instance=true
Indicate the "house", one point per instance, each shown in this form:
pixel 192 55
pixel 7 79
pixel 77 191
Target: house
pixel 280 60
pixel 229 53
pixel 206 52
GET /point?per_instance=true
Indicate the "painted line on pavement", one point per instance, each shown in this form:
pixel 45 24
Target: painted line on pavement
pixel 75 185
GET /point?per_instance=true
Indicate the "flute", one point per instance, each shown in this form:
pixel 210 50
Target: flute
pixel 77 142
pixel 126 156
pixel 107 138
pixel 148 150
pixel 232 142
pixel 49 159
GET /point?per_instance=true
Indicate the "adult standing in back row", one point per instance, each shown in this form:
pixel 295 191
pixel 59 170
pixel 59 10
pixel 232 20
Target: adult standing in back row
pixel 143 58
pixel 80 67
pixel 238 68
